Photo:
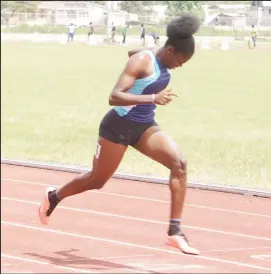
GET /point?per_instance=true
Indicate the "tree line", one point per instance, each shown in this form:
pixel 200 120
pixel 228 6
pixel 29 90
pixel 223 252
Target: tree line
pixel 137 7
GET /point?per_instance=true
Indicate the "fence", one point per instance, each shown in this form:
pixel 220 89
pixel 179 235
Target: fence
pixel 59 18
pixel 216 25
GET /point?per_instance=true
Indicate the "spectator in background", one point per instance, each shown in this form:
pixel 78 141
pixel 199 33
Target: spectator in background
pixel 113 32
pixel 71 32
pixel 254 35
pixel 142 34
pixel 90 30
pixel 155 38
pixel 124 32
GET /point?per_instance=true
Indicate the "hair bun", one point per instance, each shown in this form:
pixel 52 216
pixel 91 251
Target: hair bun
pixel 183 27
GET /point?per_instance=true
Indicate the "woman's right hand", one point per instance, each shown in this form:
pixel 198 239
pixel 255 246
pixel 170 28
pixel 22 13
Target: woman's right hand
pixel 164 97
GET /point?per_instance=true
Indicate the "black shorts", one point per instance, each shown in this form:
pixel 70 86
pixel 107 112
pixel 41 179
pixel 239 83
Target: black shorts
pixel 122 131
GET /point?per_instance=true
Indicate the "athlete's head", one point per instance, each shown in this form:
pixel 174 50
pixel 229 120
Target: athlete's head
pixel 180 45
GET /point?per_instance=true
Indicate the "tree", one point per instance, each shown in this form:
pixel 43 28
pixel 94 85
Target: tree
pixel 8 8
pixel 19 6
pixel 178 7
pixel 98 2
pixel 256 3
pixel 133 6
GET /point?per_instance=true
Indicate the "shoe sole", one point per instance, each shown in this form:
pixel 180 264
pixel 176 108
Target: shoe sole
pixel 45 206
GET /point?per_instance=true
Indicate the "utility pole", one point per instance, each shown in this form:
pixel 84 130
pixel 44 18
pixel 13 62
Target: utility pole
pixel 109 18
pixel 259 13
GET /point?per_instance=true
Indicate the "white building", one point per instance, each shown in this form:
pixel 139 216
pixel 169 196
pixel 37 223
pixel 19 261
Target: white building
pixel 261 15
pixel 160 11
pixel 79 13
pixel 238 15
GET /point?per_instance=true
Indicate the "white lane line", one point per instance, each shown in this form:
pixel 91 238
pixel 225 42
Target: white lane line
pixel 59 232
pixel 237 249
pixel 147 199
pixel 265 257
pixel 113 257
pixel 159 267
pixel 141 219
pixel 45 263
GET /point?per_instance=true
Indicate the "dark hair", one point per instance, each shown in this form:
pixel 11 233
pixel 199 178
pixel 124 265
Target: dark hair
pixel 180 33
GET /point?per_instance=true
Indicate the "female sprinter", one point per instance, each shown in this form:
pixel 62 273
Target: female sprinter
pixel 140 87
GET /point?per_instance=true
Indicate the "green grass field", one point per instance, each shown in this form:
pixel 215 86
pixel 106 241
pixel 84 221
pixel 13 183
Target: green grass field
pixel 54 96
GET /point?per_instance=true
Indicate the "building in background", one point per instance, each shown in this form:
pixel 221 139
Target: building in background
pixel 79 13
pixel 260 15
pixel 238 16
pixel 226 15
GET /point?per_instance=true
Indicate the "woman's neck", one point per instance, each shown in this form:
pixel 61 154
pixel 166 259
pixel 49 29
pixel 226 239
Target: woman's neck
pixel 160 53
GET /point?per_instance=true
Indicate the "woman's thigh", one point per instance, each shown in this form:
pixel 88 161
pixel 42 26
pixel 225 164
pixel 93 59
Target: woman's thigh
pixel 107 158
pixel 157 145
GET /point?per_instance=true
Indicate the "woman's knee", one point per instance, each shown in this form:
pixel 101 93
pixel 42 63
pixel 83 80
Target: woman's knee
pixel 99 184
pixel 179 168
pixel 94 182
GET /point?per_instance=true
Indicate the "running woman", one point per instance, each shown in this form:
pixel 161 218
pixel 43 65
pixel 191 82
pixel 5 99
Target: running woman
pixel 140 87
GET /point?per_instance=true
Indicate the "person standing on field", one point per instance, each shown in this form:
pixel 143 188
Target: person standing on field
pixel 124 32
pixel 71 32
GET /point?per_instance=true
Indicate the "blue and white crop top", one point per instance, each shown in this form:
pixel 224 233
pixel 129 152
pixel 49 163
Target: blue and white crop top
pixel 156 82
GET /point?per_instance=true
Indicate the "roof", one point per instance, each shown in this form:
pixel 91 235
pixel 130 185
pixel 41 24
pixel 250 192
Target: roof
pixel 231 6
pixel 63 5
pixel 210 18
pixel 231 14
pixel 51 5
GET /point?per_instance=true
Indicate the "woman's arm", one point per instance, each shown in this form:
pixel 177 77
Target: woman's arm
pixel 135 68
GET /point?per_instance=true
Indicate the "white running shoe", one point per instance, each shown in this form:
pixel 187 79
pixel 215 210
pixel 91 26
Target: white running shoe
pixel 181 242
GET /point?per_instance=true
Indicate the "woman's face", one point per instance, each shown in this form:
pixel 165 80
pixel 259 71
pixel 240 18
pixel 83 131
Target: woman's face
pixel 174 59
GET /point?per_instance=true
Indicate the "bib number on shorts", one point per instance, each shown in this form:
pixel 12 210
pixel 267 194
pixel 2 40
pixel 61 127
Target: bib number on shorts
pixel 98 151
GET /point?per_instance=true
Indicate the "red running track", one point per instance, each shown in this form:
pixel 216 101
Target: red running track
pixel 121 228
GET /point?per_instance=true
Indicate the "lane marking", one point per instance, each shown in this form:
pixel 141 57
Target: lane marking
pixel 59 232
pixel 20 271
pixel 265 257
pixel 140 219
pixel 147 199
pixel 237 249
pixel 157 267
pixel 113 257
pixel 45 263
